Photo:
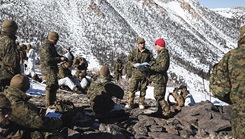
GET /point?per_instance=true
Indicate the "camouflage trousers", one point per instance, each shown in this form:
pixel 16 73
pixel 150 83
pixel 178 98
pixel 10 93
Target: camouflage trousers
pixel 118 76
pixel 51 87
pixel 159 94
pixel 238 125
pixel 135 85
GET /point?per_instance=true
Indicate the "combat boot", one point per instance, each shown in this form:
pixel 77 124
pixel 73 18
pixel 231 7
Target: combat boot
pixel 131 96
pixel 165 108
pixel 141 103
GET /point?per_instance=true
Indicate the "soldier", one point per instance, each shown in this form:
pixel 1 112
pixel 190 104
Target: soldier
pixel 49 69
pixel 138 79
pixel 9 54
pixel 23 57
pixel 69 55
pixel 25 120
pixel 159 76
pixel 80 63
pixel 85 80
pixel 31 55
pixel 118 68
pixel 65 78
pixel 227 83
pixel 101 91
pixel 5 109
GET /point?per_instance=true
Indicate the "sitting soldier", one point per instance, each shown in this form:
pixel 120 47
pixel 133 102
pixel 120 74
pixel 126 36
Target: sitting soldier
pixel 5 109
pixel 188 99
pixel 80 63
pixel 65 78
pixel 84 79
pixel 101 91
pixel 25 121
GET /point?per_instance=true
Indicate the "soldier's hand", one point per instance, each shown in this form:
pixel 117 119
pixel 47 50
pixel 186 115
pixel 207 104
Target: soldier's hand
pixel 63 59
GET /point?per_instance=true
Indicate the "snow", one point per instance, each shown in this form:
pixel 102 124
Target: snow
pixel 37 89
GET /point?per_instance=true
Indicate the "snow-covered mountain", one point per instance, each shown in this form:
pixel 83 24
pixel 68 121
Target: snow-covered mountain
pixel 197 37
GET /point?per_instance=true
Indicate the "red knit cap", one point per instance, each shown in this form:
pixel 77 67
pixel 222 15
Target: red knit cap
pixel 160 42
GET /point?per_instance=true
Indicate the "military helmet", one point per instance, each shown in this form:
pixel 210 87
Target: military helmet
pixel 9 26
pixel 140 40
pixel 104 71
pixel 53 36
pixel 21 82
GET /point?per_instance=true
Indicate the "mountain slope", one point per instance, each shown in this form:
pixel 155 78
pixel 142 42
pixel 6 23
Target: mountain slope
pixel 196 37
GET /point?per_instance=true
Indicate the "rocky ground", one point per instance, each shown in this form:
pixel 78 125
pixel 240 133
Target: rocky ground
pixel 203 120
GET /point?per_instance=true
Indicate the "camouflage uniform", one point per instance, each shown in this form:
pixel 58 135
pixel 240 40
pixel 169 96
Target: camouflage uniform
pixel 80 63
pixel 65 78
pixel 64 72
pixel 24 118
pixel 23 56
pixel 49 60
pixel 128 70
pixel 118 68
pixel 160 78
pixel 100 98
pixel 139 79
pixel 227 82
pixel 9 58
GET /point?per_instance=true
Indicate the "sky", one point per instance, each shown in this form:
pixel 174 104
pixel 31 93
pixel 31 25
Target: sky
pixel 222 3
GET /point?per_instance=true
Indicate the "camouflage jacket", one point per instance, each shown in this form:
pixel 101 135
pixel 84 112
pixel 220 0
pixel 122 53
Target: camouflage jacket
pixel 25 116
pixel 128 69
pixel 139 57
pixel 80 63
pixel 64 72
pixel 227 81
pixel 9 56
pixel 160 67
pixel 49 57
pixel 100 98
pixel 23 55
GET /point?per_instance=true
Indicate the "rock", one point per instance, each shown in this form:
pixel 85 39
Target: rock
pixel 202 120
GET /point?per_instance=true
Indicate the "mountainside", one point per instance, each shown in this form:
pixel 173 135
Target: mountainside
pixel 98 30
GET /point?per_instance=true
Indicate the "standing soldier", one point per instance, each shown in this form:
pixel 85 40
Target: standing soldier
pixel 159 76
pixel 9 54
pixel 227 83
pixel 23 57
pixel 139 79
pixel 49 69
pixel 118 68
pixel 31 54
